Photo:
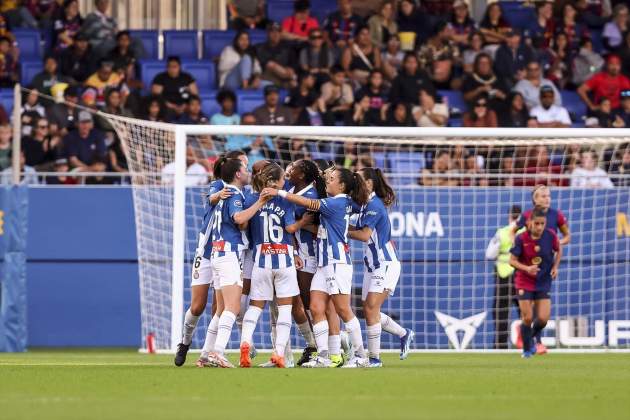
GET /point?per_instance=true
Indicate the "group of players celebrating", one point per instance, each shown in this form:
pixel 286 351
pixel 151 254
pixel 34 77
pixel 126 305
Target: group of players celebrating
pixel 284 237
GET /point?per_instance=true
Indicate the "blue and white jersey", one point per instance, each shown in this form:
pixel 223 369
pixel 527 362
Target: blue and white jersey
pixel 225 235
pixel 214 187
pixel 273 245
pixel 332 235
pixel 307 242
pixel 248 192
pixel 379 248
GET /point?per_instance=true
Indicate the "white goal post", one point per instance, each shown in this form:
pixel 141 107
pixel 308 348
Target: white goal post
pixel 434 281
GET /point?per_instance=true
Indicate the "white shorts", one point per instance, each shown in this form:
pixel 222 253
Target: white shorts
pixel 334 279
pixel 248 263
pixel 226 271
pixel 383 278
pixel 310 263
pixel 266 280
pixel 201 271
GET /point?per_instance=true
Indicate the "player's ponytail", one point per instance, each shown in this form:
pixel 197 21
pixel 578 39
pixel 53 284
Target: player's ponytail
pixel 229 169
pixel 218 164
pixel 270 174
pixel 312 175
pixel 380 186
pixel 354 185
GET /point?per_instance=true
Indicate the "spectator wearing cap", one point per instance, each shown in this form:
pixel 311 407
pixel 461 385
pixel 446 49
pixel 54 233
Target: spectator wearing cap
pixel 100 28
pixel 104 78
pixel 540 30
pixel 568 25
pixel 47 78
pixel 547 114
pixel 297 26
pixel 483 80
pixel 511 59
pixel 410 80
pixel 247 14
pixel 382 25
pixel 441 57
pixel 238 66
pixel 612 35
pixel 480 114
pixel 67 25
pixel 272 112
pixel 85 147
pixel 174 86
pixel 530 85
pixel 77 62
pixel 621 116
pixel 276 58
pixel 605 84
pixel 494 27
pixel 463 25
pixel 430 112
pixel 61 166
pixel 588 174
pixel 341 25
pixel 337 96
pixel 65 114
pixel 316 58
pixel 28 175
pixel 361 57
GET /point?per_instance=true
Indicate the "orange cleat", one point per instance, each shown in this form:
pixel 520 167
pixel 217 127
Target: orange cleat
pixel 541 348
pixel 277 360
pixel 519 338
pixel 246 360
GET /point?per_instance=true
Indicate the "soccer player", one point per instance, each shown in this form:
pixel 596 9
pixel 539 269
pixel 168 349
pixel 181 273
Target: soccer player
pixel 541 197
pixel 306 180
pixel 202 273
pixel 536 257
pixel 272 229
pixel 333 279
pixel 382 266
pixel 229 220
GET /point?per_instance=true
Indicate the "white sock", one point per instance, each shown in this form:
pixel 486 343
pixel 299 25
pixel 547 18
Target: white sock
pixel 320 331
pixel 211 336
pixel 226 322
pixel 249 324
pixel 334 345
pixel 354 331
pixel 241 311
pixel 307 333
pixel 308 314
pixel 283 328
pixel 190 323
pixel 374 340
pixel 391 326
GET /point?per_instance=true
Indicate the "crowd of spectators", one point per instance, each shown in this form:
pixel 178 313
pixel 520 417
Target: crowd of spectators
pixel 369 63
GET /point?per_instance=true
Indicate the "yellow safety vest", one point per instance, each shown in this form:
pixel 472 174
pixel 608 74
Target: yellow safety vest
pixel 504 269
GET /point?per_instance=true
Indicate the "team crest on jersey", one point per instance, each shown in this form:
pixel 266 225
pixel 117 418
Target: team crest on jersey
pixel 536 260
pixel 238 203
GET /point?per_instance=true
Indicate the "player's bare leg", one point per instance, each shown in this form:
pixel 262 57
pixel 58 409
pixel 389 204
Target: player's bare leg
pixel 199 298
pixel 377 322
pixel 543 311
pixel 527 313
pixel 304 283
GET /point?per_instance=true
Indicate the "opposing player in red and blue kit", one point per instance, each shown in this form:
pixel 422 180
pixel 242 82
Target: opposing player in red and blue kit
pixel 536 257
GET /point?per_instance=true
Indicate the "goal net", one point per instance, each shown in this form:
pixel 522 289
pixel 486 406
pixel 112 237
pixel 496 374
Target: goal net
pixel 455 188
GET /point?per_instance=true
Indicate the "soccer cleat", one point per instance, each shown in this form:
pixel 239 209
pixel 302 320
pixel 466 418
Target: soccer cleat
pixel 180 355
pixel 405 344
pixel 218 360
pixel 245 360
pixel 541 349
pixel 278 361
pixel 357 362
pixel 336 360
pixel 527 355
pixel 346 345
pixel 307 355
pixel 203 362
pixel 267 364
pixel 318 362
pixel 375 363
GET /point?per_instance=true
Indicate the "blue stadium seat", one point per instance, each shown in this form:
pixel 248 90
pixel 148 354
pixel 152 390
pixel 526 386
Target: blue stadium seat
pixel 29 69
pixel 29 42
pixel 574 104
pixel 181 43
pixel 248 100
pixel 322 8
pixel 257 36
pixel 380 160
pixel 455 101
pixel 209 105
pixel 149 69
pixel 405 167
pixel 596 38
pixel 202 71
pixel 214 41
pixel 517 14
pixel 6 100
pixel 277 10
pixel 150 41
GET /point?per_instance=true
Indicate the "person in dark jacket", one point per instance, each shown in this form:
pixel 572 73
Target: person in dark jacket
pixel 407 84
pixel 511 59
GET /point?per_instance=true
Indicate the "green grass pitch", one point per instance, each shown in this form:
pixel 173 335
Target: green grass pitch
pixel 122 384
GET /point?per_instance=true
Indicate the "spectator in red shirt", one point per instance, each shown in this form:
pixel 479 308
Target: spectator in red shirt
pixel 605 84
pixel 297 27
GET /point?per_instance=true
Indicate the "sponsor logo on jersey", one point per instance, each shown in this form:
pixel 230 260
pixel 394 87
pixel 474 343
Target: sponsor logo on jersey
pixel 452 326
